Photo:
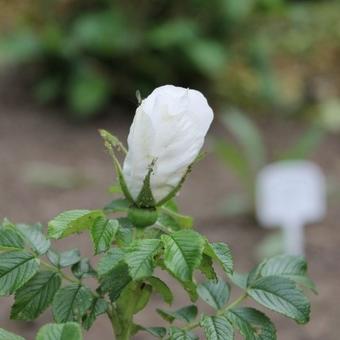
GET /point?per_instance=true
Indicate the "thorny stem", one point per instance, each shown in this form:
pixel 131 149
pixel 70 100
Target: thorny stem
pixel 220 312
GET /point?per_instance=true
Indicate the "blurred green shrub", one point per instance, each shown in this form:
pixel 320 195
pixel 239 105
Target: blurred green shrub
pixel 83 53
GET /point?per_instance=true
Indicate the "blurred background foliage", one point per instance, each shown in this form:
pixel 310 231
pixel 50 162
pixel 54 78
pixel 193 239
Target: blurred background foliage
pixel 256 55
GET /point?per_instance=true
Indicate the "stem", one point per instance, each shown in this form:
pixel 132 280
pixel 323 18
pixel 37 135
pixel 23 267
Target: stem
pixel 122 316
pixel 220 312
pixel 58 270
pixel 233 305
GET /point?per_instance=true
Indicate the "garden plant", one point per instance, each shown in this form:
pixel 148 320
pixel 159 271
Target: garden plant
pixel 152 237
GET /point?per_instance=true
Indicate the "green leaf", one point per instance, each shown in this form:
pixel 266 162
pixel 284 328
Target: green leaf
pixel 252 324
pixel 191 288
pixel 115 280
pixel 140 258
pixel 124 234
pixel 214 293
pixel 71 302
pixel 35 296
pixel 292 267
pixel 136 295
pixel 182 253
pixel 185 314
pixel 281 295
pixel 207 267
pixel 220 252
pixel 5 335
pixel 16 268
pixel 181 334
pixel 173 219
pixel 35 237
pixel 99 306
pixel 248 136
pixel 160 287
pixel 72 221
pixel 103 232
pixel 63 331
pixel 159 332
pixel 118 205
pixel 239 279
pixel 110 260
pixel 217 328
pixel 64 259
pixel 10 239
pixel 83 269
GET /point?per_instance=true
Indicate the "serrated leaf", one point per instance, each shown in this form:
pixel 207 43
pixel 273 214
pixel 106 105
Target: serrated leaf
pixel 281 295
pixel 35 237
pixel 292 267
pixel 214 293
pixel 140 258
pixel 217 328
pixel 71 302
pixel 239 279
pixel 160 287
pixel 181 334
pixel 35 296
pixel 118 205
pixel 103 232
pixel 185 314
pixel 98 307
pixel 10 239
pixel 252 324
pixel 16 268
pixel 220 252
pixel 65 258
pixel 71 222
pixel 124 235
pixel 115 280
pixel 110 260
pixel 182 253
pixel 207 267
pixel 5 335
pixel 255 273
pixel 63 331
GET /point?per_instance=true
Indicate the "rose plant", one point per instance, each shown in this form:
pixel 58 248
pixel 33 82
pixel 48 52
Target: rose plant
pixel 164 142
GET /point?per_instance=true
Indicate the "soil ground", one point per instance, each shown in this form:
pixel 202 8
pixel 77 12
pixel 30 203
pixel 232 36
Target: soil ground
pixel 29 135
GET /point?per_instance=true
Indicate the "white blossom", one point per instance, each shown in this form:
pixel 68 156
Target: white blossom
pixel 168 129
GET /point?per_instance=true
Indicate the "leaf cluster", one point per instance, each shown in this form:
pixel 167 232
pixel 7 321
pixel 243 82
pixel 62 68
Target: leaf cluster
pixel 40 277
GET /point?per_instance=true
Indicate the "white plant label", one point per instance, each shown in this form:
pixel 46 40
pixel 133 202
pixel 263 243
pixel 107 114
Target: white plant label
pixel 291 194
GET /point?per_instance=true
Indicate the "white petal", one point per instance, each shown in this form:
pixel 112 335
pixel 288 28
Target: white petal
pixel 170 126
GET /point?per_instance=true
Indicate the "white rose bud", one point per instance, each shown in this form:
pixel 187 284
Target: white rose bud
pixel 167 133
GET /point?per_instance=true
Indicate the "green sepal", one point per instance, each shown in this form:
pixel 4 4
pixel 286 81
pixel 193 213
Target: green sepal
pixel 145 197
pixel 176 189
pixel 112 142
